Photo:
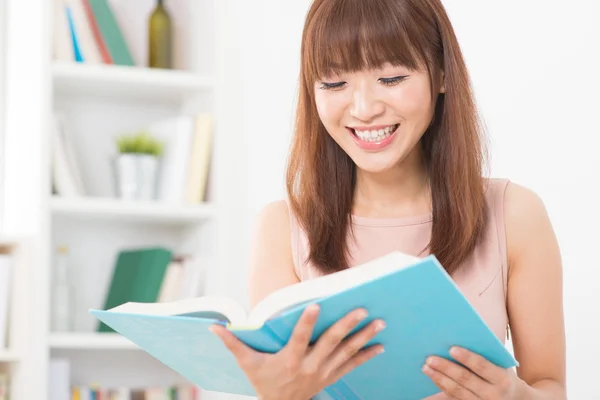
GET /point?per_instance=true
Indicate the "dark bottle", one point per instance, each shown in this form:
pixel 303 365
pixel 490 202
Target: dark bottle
pixel 160 38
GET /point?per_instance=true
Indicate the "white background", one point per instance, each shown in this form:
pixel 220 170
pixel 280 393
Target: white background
pixel 535 67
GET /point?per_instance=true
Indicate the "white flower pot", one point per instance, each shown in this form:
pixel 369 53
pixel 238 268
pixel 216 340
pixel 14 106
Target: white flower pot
pixel 136 176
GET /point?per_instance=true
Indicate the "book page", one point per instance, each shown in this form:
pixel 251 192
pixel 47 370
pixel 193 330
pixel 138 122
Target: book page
pixel 311 290
pixel 211 307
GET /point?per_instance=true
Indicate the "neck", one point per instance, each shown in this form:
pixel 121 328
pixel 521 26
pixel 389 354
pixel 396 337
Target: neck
pixel 400 192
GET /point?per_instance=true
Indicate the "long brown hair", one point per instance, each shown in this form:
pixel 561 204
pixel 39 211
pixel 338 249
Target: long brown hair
pixel 349 35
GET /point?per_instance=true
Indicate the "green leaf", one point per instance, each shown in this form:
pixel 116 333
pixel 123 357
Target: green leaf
pixel 140 143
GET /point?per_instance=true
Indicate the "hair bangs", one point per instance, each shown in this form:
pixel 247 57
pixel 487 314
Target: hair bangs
pixel 352 35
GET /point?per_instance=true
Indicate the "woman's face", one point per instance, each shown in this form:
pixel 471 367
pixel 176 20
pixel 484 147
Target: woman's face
pixel 376 116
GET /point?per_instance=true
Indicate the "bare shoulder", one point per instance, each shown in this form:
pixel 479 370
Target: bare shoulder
pixel 271 262
pixel 528 225
pixel 273 217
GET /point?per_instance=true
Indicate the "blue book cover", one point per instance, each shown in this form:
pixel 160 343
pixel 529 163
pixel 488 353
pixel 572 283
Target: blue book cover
pixel 74 38
pixel 425 313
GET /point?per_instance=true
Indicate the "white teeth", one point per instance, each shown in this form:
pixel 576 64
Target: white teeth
pixel 374 136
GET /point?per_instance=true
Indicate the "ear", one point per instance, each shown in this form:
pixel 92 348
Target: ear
pixel 443 83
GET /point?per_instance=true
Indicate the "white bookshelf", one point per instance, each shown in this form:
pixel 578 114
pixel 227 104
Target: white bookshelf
pixel 16 354
pixel 97 103
pixel 131 211
pixel 9 356
pixel 90 341
pixel 133 83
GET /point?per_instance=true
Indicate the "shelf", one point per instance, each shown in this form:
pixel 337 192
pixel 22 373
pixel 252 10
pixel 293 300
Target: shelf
pixel 8 356
pixel 131 211
pixel 135 83
pixel 8 241
pixel 90 341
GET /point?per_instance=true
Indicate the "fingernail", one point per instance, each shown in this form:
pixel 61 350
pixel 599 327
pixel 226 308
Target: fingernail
pixel 379 326
pixel 455 351
pixel 426 369
pixel 380 350
pixel 362 314
pixel 313 308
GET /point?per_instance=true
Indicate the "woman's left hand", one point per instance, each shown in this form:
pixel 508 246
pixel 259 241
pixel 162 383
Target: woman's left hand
pixel 480 380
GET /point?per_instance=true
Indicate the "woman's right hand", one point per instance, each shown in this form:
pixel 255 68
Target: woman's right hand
pixel 300 370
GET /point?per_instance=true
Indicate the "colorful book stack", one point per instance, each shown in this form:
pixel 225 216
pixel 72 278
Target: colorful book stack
pixel 157 393
pixel 86 31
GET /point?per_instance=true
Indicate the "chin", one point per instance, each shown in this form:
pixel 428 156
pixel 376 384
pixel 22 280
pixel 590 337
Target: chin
pixel 370 163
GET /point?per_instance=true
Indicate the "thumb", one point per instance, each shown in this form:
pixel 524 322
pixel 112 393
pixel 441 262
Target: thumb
pixel 240 350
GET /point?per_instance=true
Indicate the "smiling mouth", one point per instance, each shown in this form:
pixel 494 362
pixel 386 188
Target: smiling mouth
pixel 374 136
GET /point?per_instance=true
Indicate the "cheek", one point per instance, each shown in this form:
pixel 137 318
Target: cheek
pixel 328 108
pixel 414 102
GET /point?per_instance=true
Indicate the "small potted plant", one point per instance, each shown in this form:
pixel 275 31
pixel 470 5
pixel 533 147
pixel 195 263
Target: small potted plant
pixel 137 166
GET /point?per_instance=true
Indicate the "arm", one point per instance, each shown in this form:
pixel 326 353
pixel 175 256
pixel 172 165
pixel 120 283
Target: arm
pixel 271 263
pixel 535 313
pixel 535 302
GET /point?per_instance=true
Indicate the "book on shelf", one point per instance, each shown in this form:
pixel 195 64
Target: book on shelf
pixel 63 388
pixel 67 180
pixel 6 274
pixel 179 392
pixel 94 392
pixel 151 274
pixel 4 386
pixel 87 31
pixel 186 161
pixel 414 296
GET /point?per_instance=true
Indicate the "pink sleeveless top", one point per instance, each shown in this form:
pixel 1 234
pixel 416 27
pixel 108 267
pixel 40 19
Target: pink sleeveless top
pixel 482 278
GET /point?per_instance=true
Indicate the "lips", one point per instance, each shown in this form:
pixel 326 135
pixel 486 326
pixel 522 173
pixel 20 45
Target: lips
pixel 374 133
pixel 374 138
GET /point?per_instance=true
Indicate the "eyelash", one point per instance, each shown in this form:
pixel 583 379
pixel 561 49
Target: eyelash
pixel 393 81
pixel 331 86
pixel 385 81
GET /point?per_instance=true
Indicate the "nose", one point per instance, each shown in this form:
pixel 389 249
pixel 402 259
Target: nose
pixel 365 104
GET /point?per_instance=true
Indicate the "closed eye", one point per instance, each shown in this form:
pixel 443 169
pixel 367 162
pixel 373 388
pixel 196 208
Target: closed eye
pixel 334 85
pixel 393 81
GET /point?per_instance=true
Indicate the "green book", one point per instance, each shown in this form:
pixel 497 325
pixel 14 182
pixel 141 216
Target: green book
pixel 111 33
pixel 137 276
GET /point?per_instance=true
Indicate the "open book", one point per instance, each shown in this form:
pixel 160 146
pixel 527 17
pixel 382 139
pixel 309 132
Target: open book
pixel 424 310
pixel 237 317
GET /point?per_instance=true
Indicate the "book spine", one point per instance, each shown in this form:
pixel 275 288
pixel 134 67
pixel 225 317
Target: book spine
pixel 104 53
pixel 74 37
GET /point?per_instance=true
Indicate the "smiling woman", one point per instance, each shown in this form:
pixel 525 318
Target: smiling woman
pixel 383 63
pixel 388 154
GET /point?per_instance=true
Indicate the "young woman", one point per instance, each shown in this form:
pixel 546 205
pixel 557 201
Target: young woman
pixel 388 155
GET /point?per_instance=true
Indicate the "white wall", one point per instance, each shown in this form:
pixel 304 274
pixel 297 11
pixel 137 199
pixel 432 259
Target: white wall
pixel 3 12
pixel 273 46
pixel 270 57
pixel 534 65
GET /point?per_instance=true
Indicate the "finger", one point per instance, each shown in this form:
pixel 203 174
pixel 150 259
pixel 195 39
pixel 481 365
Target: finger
pixel 360 358
pixel 351 346
pixel 449 386
pixel 478 364
pixel 302 333
pixel 240 350
pixel 461 375
pixel 333 336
